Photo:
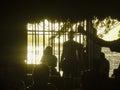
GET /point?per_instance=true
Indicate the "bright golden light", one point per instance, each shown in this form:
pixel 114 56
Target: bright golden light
pixel 112 34
pixel 46 29
pixel 35 34
pixel 33 57
pixel 107 29
pixel 29 26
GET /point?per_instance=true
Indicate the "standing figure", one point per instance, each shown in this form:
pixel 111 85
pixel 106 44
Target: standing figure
pixel 104 66
pixel 51 60
pixel 116 73
pixel 70 58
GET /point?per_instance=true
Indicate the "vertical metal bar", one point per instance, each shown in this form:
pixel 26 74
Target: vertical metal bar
pixel 32 43
pixel 64 35
pixel 38 41
pixel 35 43
pixel 59 50
pixel 48 32
pixel 54 38
pixel 52 34
pixel 43 35
pixel 89 46
pixel 80 36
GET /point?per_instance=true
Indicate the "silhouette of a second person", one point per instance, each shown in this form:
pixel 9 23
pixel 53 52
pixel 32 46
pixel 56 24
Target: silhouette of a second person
pixel 51 60
pixel 70 57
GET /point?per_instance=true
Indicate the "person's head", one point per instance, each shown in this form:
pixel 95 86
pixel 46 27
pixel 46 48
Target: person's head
pixel 48 50
pixel 70 35
pixel 41 74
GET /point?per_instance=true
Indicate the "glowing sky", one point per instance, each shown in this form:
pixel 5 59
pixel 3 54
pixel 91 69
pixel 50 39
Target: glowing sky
pixel 112 34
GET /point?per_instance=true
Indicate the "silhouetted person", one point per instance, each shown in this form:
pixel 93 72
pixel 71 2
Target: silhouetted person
pixel 51 60
pixel 116 73
pixel 99 73
pixel 70 57
pixel 40 78
pixel 94 79
pixel 104 66
pixel 48 57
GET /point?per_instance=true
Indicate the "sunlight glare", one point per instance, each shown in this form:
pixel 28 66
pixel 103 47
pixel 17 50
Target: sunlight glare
pixel 33 58
pixel 107 29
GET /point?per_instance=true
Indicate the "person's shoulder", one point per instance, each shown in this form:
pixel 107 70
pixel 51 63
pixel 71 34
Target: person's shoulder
pixel 107 61
pixel 66 43
pixel 54 56
pixel 75 42
pixel 78 44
